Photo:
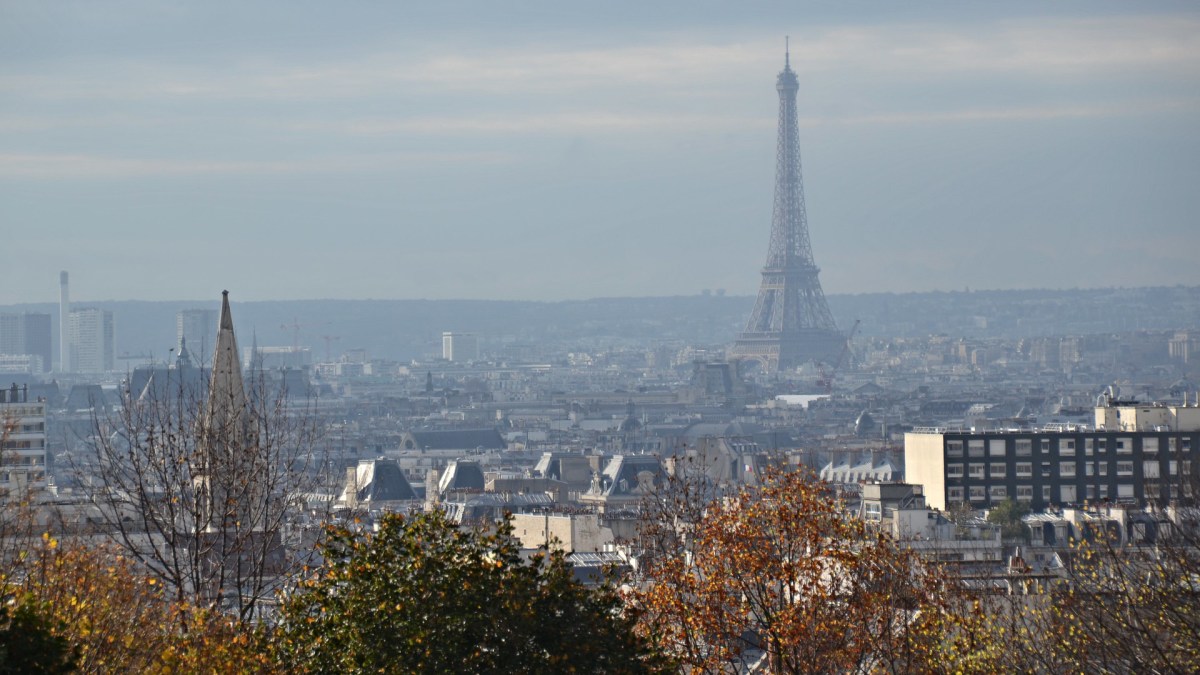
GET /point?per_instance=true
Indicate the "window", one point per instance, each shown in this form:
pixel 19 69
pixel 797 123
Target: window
pixel 1187 444
pixel 997 469
pixel 1066 469
pixel 1103 491
pixel 1091 492
pixel 1025 469
pixel 1124 468
pixel 1152 491
pixel 1185 467
pixel 1089 468
pixel 1067 493
pixel 1025 493
pixel 998 493
pixel 1089 446
pixel 1172 444
pixel 975 448
pixel 978 494
pixel 954 470
pixel 954 494
pixel 1045 493
pixel 976 470
pixel 1150 445
pixel 1124 445
pixel 1046 468
pixel 1124 491
pixel 996 447
pixel 1150 469
pixel 954 449
pixel 1066 447
pixel 1045 445
pixel 1102 468
pixel 1024 447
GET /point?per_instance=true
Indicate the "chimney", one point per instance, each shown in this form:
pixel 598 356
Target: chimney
pixel 64 319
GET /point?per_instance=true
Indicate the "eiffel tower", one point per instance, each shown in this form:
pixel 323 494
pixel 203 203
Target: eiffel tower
pixel 791 323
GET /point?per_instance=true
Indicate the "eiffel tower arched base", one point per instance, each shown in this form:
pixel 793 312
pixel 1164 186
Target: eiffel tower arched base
pixel 776 351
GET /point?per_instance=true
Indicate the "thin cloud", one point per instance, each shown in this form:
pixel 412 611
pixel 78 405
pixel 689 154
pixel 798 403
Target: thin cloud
pixel 60 166
pixel 1036 48
pixel 1018 113
pixel 541 124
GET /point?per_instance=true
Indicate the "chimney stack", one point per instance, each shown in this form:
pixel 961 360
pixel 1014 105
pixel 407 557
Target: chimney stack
pixel 64 319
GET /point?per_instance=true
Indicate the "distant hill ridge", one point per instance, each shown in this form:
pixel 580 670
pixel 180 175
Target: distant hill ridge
pixel 407 329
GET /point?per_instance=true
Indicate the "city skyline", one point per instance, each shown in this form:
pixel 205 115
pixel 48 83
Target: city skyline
pixel 547 153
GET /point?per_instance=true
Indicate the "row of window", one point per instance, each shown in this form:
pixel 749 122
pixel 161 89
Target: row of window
pixel 23 411
pixel 7 476
pixel 1062 494
pixel 1151 468
pixel 1064 447
pixel 31 444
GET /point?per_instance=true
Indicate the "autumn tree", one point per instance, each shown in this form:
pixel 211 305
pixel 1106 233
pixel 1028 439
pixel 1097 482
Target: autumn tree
pixel 1121 607
pixel 776 575
pixel 97 608
pixel 421 595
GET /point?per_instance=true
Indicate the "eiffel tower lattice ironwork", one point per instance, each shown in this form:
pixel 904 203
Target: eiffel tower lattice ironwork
pixel 791 323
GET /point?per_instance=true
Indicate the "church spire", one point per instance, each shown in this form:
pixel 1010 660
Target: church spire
pixel 226 392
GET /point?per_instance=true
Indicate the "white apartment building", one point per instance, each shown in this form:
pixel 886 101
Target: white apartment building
pixel 460 346
pixel 92 340
pixel 22 442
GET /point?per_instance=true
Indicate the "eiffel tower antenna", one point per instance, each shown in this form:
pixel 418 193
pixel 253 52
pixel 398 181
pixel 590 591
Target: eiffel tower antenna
pixel 787 52
pixel 791 323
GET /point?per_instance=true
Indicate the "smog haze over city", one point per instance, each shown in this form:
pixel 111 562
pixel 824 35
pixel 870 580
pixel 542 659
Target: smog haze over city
pixel 547 150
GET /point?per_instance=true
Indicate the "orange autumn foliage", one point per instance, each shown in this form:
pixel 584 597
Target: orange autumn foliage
pixel 776 575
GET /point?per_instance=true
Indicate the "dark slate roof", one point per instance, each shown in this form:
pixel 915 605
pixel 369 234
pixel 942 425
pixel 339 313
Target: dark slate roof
pixel 459 439
pixel 462 475
pixel 630 475
pixel 86 396
pixel 385 482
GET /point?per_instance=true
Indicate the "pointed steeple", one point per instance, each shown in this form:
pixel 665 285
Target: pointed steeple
pixel 226 392
pixel 255 365
pixel 184 358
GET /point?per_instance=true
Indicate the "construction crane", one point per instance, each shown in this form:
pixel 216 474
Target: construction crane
pixel 824 377
pixel 295 327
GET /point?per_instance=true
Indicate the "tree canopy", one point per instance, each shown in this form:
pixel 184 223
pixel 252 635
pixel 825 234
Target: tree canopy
pixel 1008 514
pixel 777 575
pixel 422 595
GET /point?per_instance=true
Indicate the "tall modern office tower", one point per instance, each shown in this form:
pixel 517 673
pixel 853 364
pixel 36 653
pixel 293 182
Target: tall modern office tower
pixel 198 327
pixel 791 323
pixel 64 318
pixel 93 340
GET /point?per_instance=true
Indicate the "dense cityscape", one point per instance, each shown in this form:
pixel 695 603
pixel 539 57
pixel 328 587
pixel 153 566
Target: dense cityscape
pixel 948 481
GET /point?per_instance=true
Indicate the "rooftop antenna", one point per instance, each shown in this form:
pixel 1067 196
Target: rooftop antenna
pixel 787 51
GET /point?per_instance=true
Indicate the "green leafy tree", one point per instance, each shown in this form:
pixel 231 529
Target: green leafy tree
pixel 1008 514
pixel 421 595
pixel 29 642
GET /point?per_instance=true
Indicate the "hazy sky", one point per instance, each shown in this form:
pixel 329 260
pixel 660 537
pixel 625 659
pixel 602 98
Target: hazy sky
pixel 553 150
